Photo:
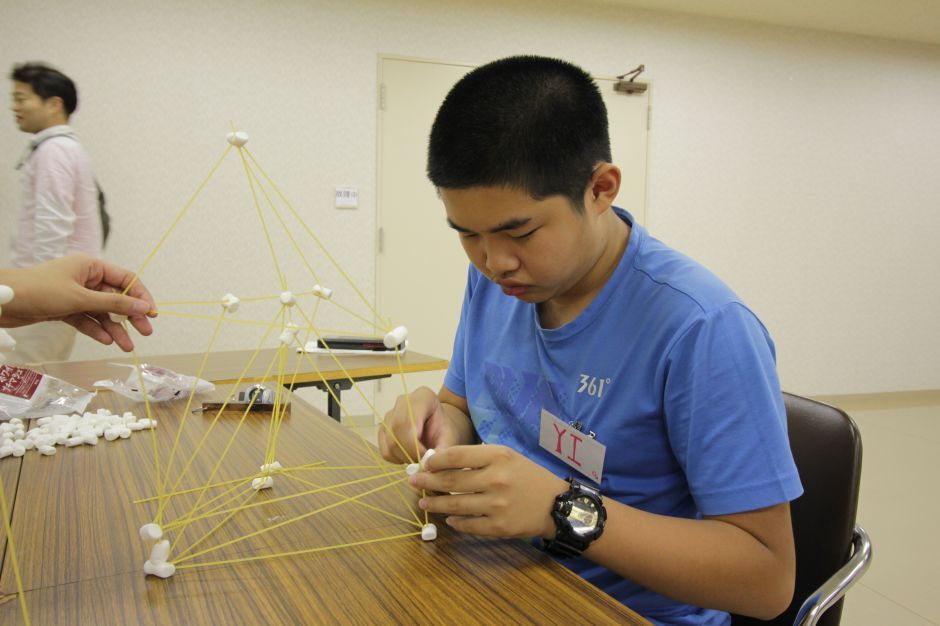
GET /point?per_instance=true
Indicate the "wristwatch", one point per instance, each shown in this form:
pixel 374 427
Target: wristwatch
pixel 579 517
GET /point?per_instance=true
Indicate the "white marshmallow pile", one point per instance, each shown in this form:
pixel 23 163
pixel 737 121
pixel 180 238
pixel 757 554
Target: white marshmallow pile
pixel 67 430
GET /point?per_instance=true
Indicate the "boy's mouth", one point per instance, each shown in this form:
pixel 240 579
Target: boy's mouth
pixel 513 289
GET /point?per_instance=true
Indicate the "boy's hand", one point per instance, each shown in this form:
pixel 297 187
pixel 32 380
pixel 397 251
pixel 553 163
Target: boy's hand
pixel 431 427
pixel 500 493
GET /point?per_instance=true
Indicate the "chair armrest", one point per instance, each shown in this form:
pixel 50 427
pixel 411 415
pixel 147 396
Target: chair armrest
pixel 833 589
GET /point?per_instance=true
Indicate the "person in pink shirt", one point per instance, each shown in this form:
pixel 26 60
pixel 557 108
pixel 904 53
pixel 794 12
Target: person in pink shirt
pixel 59 214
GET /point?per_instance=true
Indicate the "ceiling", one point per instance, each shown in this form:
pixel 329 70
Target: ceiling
pixel 909 20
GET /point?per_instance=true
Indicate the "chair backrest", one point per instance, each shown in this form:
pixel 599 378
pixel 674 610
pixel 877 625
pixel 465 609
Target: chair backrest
pixel 827 449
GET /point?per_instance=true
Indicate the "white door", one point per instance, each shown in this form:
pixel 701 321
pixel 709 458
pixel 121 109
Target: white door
pixel 421 269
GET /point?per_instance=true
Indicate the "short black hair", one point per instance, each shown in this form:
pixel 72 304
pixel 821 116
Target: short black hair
pixel 47 82
pixel 533 123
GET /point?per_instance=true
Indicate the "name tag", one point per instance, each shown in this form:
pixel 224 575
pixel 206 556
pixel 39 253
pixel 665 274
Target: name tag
pixel 572 447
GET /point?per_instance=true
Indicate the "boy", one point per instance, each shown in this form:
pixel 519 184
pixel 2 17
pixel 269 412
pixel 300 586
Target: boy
pixel 573 310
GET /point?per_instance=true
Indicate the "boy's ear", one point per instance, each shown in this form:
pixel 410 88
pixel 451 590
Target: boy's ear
pixel 605 184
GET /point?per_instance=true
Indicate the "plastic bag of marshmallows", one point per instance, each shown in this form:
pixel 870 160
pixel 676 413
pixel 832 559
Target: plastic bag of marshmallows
pixel 26 393
pixel 160 384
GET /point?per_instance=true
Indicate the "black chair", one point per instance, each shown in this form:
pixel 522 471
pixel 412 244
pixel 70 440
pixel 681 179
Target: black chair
pixel 832 551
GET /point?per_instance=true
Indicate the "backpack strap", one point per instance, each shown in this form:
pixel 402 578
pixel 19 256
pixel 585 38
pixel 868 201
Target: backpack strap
pixel 102 204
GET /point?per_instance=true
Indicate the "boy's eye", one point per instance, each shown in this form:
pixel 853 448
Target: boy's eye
pixel 526 235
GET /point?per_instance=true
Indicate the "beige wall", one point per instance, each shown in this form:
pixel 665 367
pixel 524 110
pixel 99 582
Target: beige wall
pixel 800 166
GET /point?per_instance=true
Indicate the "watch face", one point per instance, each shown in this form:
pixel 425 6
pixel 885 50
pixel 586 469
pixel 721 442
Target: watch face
pixel 583 516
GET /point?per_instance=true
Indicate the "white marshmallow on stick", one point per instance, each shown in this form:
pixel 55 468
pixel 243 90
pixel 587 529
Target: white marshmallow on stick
pixel 230 302
pixel 322 292
pixel 238 138
pixel 395 337
pixel 163 570
pixel 262 483
pixel 151 532
pixel 157 564
pixel 289 334
pixel 429 532
pixel 424 459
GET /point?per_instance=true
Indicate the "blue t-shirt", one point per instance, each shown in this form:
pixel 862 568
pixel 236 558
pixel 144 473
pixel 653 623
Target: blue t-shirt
pixel 670 370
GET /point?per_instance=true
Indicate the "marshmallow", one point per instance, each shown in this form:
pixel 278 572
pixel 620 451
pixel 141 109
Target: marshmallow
pixel 5 451
pixel 6 294
pixel 271 466
pixel 117 319
pixel 7 343
pixel 74 441
pixel 262 483
pixel 156 565
pixel 412 469
pixel 237 138
pixel 288 298
pixel 429 532
pixel 46 450
pixel 424 459
pixel 395 337
pixel 111 434
pixel 163 570
pixel 290 332
pixel 160 552
pixel 151 532
pixel 230 302
pixel 322 292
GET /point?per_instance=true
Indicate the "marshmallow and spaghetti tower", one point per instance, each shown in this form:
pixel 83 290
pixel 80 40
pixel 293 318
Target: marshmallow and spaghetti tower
pixel 293 324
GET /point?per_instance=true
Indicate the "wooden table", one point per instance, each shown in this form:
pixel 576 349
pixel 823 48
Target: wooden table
pixel 314 369
pixel 75 529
